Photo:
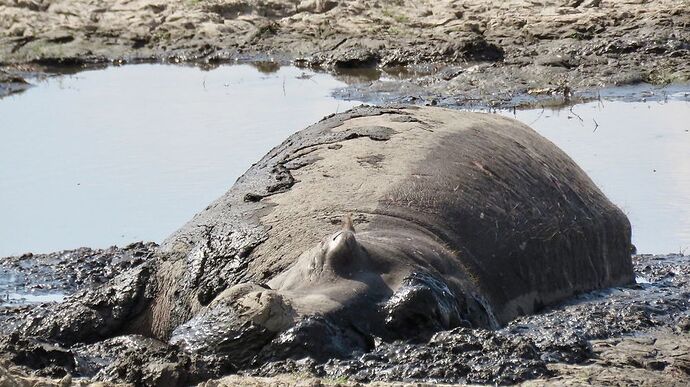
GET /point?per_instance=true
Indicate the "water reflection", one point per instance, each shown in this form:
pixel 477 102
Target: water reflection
pixel 266 67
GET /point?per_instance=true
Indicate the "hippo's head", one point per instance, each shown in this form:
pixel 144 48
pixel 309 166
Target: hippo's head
pixel 338 297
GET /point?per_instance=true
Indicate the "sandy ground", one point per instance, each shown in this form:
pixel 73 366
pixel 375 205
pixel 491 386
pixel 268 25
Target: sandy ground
pixel 492 51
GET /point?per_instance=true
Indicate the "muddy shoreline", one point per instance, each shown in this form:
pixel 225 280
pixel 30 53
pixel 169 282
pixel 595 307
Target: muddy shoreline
pixel 458 53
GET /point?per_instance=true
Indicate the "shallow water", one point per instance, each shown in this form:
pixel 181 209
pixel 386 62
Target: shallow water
pixel 14 292
pixel 28 298
pixel 131 153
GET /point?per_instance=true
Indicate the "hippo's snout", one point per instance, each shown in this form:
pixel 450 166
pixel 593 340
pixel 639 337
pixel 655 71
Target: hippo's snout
pixel 238 323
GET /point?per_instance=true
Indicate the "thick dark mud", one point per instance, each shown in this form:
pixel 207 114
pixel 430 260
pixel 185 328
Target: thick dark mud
pixel 30 278
pixel 546 346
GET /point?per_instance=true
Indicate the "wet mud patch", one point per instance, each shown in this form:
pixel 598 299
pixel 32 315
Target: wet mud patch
pixel 11 83
pixel 41 278
pixel 486 92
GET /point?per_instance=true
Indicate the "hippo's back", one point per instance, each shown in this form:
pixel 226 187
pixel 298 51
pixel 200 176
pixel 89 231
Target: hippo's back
pixel 528 225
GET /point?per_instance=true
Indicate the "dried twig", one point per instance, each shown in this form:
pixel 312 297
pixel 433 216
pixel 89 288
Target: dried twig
pixel 538 117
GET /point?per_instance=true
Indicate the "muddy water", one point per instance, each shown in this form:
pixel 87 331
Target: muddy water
pixel 638 153
pixel 131 153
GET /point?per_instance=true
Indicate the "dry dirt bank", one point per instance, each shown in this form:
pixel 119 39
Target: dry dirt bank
pixel 525 47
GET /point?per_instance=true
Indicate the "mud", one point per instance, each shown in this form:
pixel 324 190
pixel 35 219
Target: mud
pixel 492 53
pixel 29 276
pixel 628 336
pixel 11 83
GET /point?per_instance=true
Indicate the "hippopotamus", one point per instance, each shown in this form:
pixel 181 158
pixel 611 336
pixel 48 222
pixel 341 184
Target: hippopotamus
pixel 380 223
pixel 394 224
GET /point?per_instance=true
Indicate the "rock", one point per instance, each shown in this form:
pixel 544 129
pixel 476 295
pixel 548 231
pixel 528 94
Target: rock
pixel 316 6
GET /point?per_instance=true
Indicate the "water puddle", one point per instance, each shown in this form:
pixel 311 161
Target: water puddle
pixel 13 289
pixel 29 298
pixel 130 153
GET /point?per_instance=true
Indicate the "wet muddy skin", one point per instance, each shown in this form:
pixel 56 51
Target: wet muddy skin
pixel 648 177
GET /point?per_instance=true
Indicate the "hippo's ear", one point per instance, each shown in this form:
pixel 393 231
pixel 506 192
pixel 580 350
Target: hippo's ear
pixel 347 223
pixel 342 248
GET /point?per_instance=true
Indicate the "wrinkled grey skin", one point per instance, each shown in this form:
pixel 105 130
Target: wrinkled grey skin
pixel 457 220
